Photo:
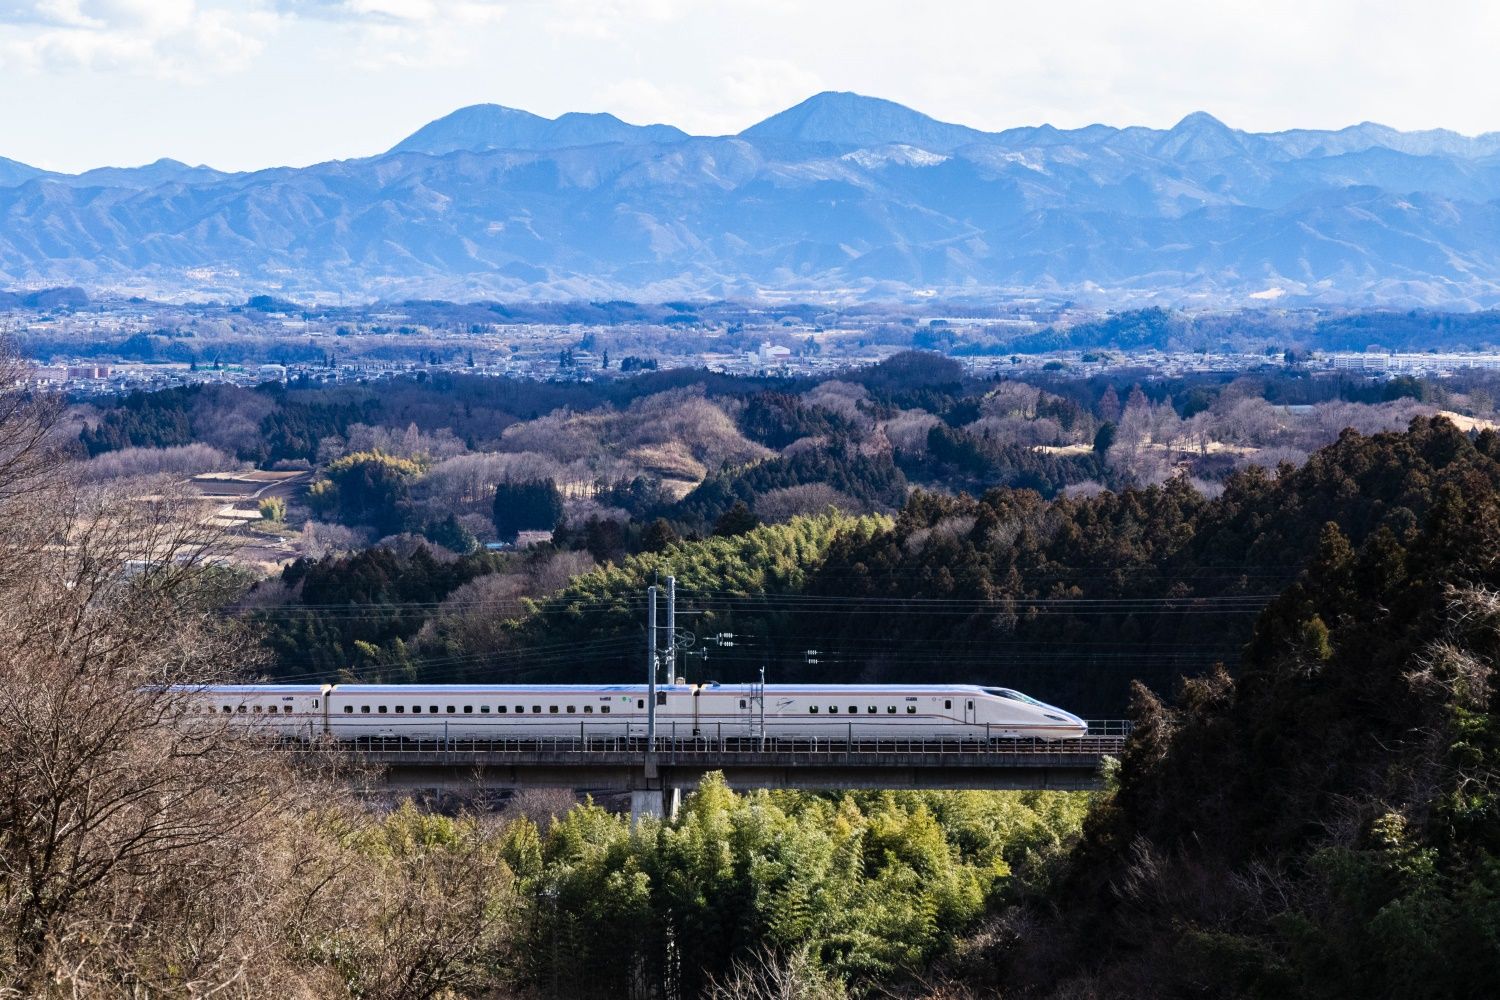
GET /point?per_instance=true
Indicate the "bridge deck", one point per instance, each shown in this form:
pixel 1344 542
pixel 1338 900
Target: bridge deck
pixel 621 764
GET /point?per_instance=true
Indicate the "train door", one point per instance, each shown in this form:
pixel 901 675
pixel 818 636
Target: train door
pixel 637 726
pixel 970 716
pixel 637 710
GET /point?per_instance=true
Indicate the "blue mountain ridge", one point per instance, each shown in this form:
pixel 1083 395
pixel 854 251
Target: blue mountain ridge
pixel 841 196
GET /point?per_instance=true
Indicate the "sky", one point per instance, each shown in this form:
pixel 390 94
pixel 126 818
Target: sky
pixel 245 84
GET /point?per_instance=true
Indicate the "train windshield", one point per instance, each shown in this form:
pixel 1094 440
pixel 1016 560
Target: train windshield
pixel 1014 696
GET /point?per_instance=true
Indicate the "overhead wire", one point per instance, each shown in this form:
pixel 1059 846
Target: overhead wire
pixel 843 648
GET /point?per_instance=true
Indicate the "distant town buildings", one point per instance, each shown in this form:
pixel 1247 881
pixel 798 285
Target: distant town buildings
pixel 769 354
pixel 117 346
pixel 1411 364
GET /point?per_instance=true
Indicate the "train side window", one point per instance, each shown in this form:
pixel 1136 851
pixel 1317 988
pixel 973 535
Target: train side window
pixel 571 710
pixel 743 704
pixel 501 709
pixel 833 710
pixel 871 710
pixel 468 709
pixel 520 709
pixel 640 703
pixel 970 704
pixel 484 710
pixel 911 710
pixel 536 710
pixel 452 709
pixel 381 709
pixel 416 710
pixel 364 710
pixel 812 709
pixel 348 709
pixel 853 709
pixel 400 709
pixel 604 710
pixel 948 703
pixel 588 710
pixel 890 710
pixel 227 709
pixel 242 710
pixel 257 709
pixel 661 698
pixel 433 709
pixel 551 709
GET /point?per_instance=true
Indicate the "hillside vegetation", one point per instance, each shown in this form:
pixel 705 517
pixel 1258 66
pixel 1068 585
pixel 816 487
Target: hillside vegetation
pixel 147 850
pixel 1070 599
pixel 1317 817
pixel 1016 502
pixel 1324 821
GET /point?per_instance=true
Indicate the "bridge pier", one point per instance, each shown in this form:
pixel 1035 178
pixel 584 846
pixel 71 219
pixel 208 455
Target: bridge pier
pixel 654 803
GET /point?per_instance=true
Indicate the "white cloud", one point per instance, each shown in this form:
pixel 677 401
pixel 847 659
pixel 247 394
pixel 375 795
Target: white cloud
pixel 298 80
pixel 173 39
pixel 408 12
pixel 402 34
pixel 610 19
pixel 752 84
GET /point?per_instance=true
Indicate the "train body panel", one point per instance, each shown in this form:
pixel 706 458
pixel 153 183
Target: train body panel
pixel 724 711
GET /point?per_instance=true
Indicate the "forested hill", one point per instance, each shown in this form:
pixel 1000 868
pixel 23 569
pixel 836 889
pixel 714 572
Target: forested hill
pixel 1326 824
pixel 1069 599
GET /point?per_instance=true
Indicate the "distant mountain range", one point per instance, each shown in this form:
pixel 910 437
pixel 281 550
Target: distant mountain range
pixel 842 196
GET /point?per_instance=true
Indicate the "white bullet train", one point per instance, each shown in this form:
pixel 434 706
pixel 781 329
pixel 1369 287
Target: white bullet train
pixel 720 711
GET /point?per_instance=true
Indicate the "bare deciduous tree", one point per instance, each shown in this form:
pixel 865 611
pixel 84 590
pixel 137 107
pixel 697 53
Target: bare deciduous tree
pixel 99 783
pixel 767 975
pixel 150 848
pixel 809 498
pixel 182 460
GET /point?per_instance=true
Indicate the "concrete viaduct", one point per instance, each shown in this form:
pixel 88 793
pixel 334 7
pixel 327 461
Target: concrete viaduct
pixel 655 777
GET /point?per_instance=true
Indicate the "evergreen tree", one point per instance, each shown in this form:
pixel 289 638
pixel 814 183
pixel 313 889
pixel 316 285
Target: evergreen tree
pixel 1104 437
pixel 367 488
pixel 737 520
pixel 658 536
pixel 530 505
pixel 451 535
